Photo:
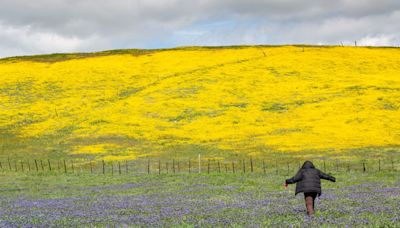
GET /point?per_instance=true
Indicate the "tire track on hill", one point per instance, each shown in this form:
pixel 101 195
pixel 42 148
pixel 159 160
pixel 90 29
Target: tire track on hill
pixel 205 69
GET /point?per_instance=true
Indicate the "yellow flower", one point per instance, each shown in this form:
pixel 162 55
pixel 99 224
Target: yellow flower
pixel 233 99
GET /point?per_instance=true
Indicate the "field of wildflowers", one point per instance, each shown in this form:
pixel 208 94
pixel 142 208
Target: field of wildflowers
pixel 251 200
pixel 220 102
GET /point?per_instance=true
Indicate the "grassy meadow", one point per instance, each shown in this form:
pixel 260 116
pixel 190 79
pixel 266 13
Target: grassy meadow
pixel 194 200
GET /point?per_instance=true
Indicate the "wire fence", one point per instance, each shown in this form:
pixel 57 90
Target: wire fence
pixel 189 166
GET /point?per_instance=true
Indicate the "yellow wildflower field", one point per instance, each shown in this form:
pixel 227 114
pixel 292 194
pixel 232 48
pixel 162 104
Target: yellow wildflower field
pixel 254 100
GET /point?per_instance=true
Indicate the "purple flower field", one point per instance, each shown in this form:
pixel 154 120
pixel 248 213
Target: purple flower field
pixel 199 204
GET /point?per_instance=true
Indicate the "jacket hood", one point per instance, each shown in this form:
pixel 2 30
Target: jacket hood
pixel 308 165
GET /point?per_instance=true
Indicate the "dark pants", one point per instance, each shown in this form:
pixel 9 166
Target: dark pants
pixel 310 198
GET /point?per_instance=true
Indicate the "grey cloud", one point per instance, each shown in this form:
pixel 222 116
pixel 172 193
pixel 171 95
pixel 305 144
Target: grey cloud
pixel 28 26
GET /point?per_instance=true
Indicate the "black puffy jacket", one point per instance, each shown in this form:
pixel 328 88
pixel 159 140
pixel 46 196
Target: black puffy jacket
pixel 308 179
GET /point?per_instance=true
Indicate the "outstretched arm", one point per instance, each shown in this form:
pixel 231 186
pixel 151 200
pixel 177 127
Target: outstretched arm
pixel 295 179
pixel 325 176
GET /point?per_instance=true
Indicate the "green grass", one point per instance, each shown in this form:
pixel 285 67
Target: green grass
pixel 220 198
pixel 57 184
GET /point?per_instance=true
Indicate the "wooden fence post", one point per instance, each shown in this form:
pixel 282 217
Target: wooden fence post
pixel 166 166
pixel 219 167
pixel 364 167
pixel 324 167
pixel 264 166
pixel 189 166
pixel 233 167
pixel 29 165
pixel 91 167
pixel 65 166
pixel 244 165
pixel 37 168
pixel 379 165
pixel 22 166
pixel 148 166
pixel 208 166
pixel 251 164
pixel 112 168
pixel 119 167
pixel 104 168
pixel 173 166
pixel 159 167
pixel 199 158
pixel 48 160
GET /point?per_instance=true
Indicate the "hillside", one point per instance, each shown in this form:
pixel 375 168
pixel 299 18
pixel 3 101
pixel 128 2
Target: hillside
pixel 221 102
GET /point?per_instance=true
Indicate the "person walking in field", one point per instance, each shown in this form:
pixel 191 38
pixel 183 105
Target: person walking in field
pixel 308 180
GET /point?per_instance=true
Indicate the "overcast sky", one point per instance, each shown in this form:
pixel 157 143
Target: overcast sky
pixel 48 26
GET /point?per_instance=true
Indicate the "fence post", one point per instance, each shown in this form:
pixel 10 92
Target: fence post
pixel 189 166
pixel 148 166
pixel 379 165
pixel 324 167
pixel 251 164
pixel 91 168
pixel 166 166
pixel 219 167
pixel 233 167
pixel 22 166
pixel 48 160
pixel 159 167
pixel 199 164
pixel 9 163
pixel 104 168
pixel 173 166
pixel 1 166
pixel 112 168
pixel 208 166
pixel 72 166
pixel 348 167
pixel 37 168
pixel 126 167
pixel 244 165
pixel 29 165
pixel 65 166
pixel 264 166
pixel 226 167
pixel 363 166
